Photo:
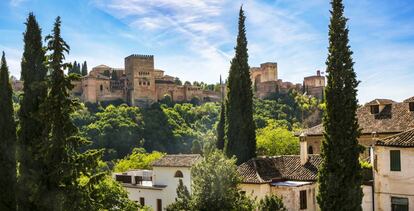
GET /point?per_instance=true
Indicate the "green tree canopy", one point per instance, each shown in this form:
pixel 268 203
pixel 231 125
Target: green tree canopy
pixel 138 159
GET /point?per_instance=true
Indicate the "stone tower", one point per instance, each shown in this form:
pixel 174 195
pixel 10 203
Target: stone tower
pixel 139 70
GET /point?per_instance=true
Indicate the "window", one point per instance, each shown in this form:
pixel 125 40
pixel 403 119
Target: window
pixel 310 150
pixel 101 87
pixel 395 160
pixel 374 109
pixel 303 199
pixel 178 174
pixel 159 205
pixel 123 178
pixel 142 201
pixel 411 105
pixel 399 204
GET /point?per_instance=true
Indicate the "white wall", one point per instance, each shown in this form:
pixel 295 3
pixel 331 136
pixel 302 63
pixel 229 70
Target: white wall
pixel 291 198
pixel 393 183
pixel 258 191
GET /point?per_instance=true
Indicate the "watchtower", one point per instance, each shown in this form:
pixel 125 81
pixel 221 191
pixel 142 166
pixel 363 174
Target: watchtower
pixel 139 70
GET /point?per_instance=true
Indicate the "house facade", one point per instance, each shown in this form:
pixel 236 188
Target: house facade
pixel 394 172
pixel 156 188
pixel 377 119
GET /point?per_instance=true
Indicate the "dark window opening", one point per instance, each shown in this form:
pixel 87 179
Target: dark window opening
pixel 399 204
pixel 159 205
pixel 101 87
pixel 411 106
pixel 374 109
pixel 395 160
pixel 142 201
pixel 179 174
pixel 310 150
pixel 123 178
pixel 303 200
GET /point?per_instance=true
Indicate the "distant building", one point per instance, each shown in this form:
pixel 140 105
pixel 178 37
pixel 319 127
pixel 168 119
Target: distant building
pixel 265 82
pixel 139 84
pixel 17 85
pixel 394 172
pixel 157 188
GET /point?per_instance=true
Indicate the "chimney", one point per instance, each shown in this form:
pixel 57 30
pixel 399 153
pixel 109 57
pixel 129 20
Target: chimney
pixel 318 73
pixel 303 149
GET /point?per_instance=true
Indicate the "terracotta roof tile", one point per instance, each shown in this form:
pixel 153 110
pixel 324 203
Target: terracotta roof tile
pixel 381 102
pixel 180 160
pixel 405 139
pixel 394 118
pixel 266 169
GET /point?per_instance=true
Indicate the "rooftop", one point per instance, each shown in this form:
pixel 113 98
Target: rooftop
pixel 394 118
pixel 404 139
pixel 180 160
pixel 288 167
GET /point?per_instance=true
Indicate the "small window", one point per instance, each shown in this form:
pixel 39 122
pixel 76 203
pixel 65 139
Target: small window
pixel 101 87
pixel 411 105
pixel 310 150
pixel 395 160
pixel 303 200
pixel 159 205
pixel 374 109
pixel 178 174
pixel 148 83
pixel 142 201
pixel 399 204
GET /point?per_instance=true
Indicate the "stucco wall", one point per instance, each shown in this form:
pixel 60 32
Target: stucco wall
pixel 256 190
pixel 291 198
pixel 393 183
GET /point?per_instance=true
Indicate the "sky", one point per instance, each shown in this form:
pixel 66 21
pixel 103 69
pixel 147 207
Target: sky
pixel 194 39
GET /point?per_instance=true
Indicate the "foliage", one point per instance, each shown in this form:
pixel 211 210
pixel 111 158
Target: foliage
pixel 340 149
pixel 116 130
pixel 7 141
pixel 276 139
pixel 240 128
pixel 183 200
pixel 30 136
pixel 139 159
pixel 215 184
pixel 84 70
pixel 221 129
pixel 271 203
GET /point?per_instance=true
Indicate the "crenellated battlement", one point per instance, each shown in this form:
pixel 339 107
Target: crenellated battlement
pixel 142 56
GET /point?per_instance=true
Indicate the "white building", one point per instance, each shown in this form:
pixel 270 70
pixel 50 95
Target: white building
pixel 394 172
pixel 157 188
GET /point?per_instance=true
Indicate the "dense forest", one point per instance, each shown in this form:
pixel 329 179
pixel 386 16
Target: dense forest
pixel 187 128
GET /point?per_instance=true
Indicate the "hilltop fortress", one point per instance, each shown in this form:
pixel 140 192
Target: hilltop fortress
pixel 140 84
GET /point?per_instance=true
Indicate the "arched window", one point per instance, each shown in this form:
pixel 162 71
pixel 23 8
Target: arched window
pixel 310 150
pixel 178 174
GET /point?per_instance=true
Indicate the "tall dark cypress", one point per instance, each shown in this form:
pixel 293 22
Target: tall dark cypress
pixel 33 73
pixel 221 128
pixel 84 69
pixel 340 174
pixel 240 128
pixel 7 141
pixel 64 164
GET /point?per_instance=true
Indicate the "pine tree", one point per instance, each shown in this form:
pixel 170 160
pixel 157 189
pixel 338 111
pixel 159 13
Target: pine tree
pixel 33 73
pixel 7 142
pixel 221 128
pixel 84 69
pixel 240 128
pixel 340 173
pixel 64 165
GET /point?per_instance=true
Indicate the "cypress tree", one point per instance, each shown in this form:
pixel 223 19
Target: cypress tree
pixel 84 69
pixel 240 129
pixel 33 73
pixel 64 164
pixel 7 142
pixel 340 174
pixel 221 129
pixel 114 76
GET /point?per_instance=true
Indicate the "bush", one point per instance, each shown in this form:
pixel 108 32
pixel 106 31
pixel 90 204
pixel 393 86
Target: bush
pixel 271 203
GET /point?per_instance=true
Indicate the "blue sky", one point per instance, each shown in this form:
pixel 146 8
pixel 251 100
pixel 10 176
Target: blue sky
pixel 194 39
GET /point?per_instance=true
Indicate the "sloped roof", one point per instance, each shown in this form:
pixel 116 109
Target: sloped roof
pixel 394 118
pixel 404 139
pixel 288 167
pixel 180 160
pixel 409 100
pixel 381 102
